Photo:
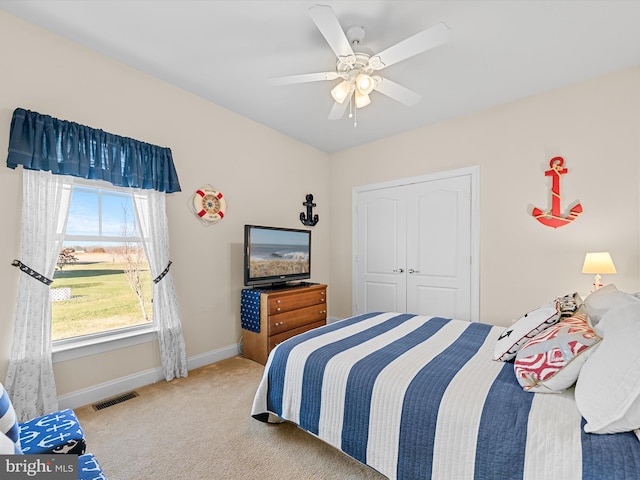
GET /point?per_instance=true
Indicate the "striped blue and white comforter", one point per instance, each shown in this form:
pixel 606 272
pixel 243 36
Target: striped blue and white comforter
pixel 418 397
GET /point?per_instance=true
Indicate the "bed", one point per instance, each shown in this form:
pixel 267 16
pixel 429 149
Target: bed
pixel 418 397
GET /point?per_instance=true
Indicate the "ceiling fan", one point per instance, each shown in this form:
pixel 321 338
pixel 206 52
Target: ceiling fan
pixel 357 68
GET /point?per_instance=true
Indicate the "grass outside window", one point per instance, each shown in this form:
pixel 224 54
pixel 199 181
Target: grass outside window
pixel 101 299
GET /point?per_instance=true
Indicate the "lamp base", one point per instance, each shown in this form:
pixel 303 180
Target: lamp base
pixel 596 282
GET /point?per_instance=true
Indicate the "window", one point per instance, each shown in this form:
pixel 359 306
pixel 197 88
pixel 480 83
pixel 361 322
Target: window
pixel 102 281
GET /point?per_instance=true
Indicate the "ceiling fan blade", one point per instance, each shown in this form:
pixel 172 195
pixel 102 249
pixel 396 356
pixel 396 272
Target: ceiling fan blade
pixel 303 78
pixel 421 42
pixel 397 92
pixel 338 109
pixel 327 22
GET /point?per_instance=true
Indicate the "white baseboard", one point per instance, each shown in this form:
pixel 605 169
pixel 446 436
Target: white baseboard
pixel 115 387
pixel 213 356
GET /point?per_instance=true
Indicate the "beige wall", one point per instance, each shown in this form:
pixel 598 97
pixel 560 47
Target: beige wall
pixel 263 174
pixel 595 126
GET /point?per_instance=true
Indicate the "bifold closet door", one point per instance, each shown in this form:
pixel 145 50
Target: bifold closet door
pixel 381 250
pixel 414 248
pixel 439 248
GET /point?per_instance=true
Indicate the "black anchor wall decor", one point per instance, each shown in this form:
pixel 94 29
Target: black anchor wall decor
pixel 310 220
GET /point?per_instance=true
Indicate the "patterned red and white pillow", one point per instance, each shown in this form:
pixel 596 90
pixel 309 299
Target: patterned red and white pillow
pixel 551 361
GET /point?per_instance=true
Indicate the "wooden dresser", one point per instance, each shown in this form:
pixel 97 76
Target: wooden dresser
pixel 284 313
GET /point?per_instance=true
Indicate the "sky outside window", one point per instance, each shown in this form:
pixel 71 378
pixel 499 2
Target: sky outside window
pixel 84 214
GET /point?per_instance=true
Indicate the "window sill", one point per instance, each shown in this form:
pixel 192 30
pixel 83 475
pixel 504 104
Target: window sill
pixel 65 350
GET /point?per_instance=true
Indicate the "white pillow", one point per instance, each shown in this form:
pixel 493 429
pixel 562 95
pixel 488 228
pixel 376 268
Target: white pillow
pixel 608 388
pixel 523 329
pixel 598 303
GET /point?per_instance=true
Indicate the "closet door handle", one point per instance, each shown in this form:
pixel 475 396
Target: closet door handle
pixel 411 270
pixel 398 270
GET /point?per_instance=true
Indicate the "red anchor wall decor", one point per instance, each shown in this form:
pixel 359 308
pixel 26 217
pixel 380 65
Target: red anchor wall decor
pixel 554 218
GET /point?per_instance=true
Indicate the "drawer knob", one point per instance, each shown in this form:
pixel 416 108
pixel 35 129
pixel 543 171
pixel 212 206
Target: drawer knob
pixel 278 309
pixel 277 301
pixel 322 299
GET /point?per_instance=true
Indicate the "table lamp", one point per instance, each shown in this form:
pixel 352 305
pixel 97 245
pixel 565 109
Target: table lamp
pixel 598 263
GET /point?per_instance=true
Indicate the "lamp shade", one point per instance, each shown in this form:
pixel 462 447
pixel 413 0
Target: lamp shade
pixel 362 100
pixel 365 84
pixel 598 263
pixel 341 91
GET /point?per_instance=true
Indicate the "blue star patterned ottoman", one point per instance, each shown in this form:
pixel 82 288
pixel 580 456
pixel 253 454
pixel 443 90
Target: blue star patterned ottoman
pixel 58 432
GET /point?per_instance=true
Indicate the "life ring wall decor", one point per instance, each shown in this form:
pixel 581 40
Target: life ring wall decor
pixel 209 205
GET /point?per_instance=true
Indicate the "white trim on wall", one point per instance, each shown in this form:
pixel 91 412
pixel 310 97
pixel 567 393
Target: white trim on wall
pixel 474 173
pixel 115 387
pixel 64 351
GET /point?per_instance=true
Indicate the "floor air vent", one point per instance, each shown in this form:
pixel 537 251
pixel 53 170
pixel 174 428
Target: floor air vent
pixel 115 400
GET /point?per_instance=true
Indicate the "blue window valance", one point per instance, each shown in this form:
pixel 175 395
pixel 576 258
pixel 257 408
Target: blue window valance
pixel 42 142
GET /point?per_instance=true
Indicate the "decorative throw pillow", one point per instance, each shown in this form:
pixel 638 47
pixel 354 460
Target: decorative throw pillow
pixel 569 305
pixel 608 388
pixel 551 361
pixel 525 328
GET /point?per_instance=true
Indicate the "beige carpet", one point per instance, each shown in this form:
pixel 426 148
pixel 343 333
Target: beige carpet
pixel 201 428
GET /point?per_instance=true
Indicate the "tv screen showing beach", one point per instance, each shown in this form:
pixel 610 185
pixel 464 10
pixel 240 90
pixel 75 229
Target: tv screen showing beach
pixel 275 253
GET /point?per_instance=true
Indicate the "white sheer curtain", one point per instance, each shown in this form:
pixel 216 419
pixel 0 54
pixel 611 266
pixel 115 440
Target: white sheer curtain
pixel 151 208
pixel 30 382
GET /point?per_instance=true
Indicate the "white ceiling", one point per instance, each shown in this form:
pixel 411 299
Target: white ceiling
pixel 225 51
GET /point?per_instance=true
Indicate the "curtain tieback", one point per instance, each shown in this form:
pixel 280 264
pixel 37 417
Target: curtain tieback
pixel 164 272
pixel 32 272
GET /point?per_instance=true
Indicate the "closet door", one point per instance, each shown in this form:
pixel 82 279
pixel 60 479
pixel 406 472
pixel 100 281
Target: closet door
pixel 438 238
pixel 413 248
pixel 381 251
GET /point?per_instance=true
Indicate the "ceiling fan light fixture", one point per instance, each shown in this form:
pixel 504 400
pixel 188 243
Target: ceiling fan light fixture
pixel 356 64
pixel 365 84
pixel 341 91
pixel 362 100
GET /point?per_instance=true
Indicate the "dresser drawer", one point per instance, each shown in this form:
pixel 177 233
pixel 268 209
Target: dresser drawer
pixel 297 318
pixel 279 303
pixel 281 337
pixel 284 313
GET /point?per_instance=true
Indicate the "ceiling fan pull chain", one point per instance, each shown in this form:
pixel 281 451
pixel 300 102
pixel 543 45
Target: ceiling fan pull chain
pixel 353 112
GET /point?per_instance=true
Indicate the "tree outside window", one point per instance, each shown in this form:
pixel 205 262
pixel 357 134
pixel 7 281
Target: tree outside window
pixel 102 270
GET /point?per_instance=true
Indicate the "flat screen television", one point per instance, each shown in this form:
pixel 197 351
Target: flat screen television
pixel 275 256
